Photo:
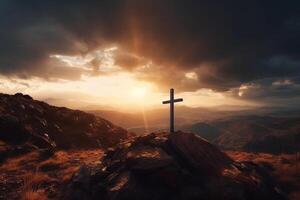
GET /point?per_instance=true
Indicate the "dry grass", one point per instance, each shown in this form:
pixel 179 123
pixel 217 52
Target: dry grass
pixel 285 168
pixel 34 177
pixel 33 184
pixel 34 195
pixel 36 180
pixel 52 164
pixel 27 161
pixel 67 173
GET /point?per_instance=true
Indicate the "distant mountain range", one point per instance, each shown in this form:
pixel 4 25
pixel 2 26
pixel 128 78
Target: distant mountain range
pixel 272 130
pixel 156 119
pixel 251 133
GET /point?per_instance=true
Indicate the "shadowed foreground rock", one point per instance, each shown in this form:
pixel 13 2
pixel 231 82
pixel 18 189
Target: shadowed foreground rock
pixel 176 166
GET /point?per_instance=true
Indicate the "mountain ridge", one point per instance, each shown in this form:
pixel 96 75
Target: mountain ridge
pixel 27 122
pixel 252 133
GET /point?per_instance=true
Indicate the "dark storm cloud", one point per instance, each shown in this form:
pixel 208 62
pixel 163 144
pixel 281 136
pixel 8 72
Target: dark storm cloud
pixel 270 91
pixel 237 41
pixel 31 31
pixel 226 43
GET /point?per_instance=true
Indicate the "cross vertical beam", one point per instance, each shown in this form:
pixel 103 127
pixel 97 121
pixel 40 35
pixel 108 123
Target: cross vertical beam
pixel 171 102
pixel 171 110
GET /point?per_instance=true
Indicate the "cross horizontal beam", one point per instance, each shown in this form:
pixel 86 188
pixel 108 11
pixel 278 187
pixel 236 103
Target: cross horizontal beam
pixel 174 101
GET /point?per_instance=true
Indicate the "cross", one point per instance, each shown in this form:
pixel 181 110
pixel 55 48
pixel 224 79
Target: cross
pixel 171 102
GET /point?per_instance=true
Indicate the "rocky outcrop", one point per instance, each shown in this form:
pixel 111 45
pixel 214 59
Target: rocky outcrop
pixel 171 166
pixel 25 121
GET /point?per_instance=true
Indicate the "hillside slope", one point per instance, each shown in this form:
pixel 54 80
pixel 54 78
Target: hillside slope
pixel 25 121
pixel 252 133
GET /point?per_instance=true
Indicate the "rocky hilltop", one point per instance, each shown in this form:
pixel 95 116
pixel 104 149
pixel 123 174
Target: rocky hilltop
pixel 171 166
pixel 26 123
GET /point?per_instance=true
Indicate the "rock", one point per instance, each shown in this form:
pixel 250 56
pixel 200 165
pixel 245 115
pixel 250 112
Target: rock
pixel 43 141
pixel 199 154
pixel 147 159
pixel 11 129
pixel 79 188
pixel 172 166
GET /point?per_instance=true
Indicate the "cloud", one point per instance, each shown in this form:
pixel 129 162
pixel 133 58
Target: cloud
pixel 129 61
pixel 225 44
pixel 270 91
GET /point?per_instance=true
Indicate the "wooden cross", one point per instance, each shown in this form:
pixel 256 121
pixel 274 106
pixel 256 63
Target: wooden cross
pixel 171 102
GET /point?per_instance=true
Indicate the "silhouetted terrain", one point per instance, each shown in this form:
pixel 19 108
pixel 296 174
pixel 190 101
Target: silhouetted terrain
pixel 153 166
pixel 27 124
pixel 252 133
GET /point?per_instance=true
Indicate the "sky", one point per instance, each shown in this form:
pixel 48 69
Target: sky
pixel 127 54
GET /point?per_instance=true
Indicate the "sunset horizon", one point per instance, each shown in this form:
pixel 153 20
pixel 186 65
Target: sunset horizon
pixel 103 58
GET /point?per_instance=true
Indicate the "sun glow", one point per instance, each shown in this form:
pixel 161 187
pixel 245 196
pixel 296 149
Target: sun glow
pixel 139 92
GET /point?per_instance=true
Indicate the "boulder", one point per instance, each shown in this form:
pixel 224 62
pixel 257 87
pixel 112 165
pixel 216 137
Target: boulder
pixel 147 159
pixel 199 153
